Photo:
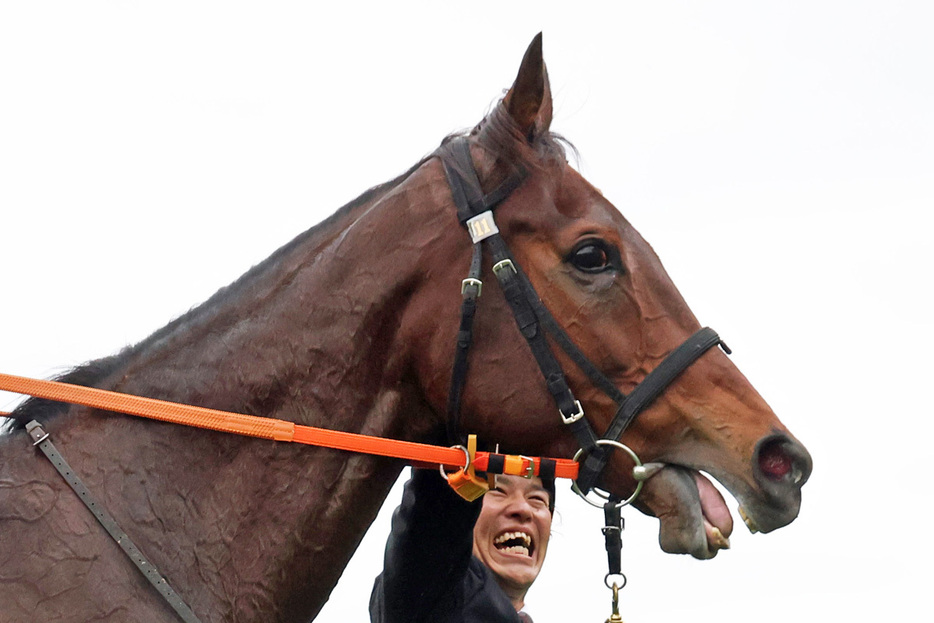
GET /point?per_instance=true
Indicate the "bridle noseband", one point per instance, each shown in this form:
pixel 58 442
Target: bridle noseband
pixel 475 212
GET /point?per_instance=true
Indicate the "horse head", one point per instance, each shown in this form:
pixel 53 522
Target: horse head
pixel 351 326
pixel 606 287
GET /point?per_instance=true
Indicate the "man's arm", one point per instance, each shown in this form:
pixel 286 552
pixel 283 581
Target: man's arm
pixel 427 554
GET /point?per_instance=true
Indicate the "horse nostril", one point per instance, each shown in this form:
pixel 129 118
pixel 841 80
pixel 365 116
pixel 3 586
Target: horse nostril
pixel 781 459
pixel 773 461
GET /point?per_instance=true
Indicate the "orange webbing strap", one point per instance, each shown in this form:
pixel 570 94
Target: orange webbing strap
pixel 519 465
pixel 269 428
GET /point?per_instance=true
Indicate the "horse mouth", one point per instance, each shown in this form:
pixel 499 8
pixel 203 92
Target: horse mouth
pixel 693 515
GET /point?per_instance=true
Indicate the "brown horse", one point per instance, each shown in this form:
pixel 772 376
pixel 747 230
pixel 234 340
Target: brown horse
pixel 352 326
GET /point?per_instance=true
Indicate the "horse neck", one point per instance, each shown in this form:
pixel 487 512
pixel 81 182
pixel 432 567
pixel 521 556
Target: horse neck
pixel 309 336
pixel 312 337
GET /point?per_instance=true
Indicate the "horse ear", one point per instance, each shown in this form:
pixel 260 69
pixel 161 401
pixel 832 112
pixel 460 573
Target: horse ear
pixel 529 100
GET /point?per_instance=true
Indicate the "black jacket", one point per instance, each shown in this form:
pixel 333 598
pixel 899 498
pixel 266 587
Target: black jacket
pixel 429 573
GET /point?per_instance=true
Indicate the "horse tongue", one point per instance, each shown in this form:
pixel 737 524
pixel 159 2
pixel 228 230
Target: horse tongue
pixel 718 523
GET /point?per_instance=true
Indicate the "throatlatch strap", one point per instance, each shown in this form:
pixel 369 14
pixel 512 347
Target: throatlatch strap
pixel 41 439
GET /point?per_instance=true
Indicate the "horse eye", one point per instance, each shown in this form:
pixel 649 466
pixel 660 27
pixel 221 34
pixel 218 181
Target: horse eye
pixel 590 257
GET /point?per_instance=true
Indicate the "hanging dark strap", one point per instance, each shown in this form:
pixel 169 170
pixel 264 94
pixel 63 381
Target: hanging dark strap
pixel 528 322
pixel 470 291
pixel 468 196
pixel 613 535
pixel 41 439
pixel 563 340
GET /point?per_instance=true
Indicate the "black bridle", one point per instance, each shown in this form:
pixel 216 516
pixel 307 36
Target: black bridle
pixel 475 212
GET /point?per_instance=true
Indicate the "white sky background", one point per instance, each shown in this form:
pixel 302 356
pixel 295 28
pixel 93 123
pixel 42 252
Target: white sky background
pixel 778 156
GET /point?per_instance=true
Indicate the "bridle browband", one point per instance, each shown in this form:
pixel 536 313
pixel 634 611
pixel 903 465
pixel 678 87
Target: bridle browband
pixel 475 212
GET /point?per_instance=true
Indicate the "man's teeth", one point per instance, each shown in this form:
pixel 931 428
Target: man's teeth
pixel 516 549
pixel 519 543
pixel 508 536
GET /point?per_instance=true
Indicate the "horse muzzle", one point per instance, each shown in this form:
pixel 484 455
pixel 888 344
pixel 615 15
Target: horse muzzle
pixel 693 516
pixel 780 466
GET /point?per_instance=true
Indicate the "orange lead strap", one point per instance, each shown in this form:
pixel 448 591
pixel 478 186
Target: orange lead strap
pixel 282 430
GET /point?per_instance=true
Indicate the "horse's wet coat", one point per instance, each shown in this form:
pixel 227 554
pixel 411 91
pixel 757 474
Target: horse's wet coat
pixel 352 326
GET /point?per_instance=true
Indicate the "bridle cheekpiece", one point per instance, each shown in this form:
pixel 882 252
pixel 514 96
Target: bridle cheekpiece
pixel 475 211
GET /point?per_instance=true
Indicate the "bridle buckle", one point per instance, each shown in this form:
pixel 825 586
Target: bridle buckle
pixel 570 419
pixel 470 281
pixel 502 265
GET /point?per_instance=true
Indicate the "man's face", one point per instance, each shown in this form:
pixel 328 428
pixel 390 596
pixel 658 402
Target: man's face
pixel 511 534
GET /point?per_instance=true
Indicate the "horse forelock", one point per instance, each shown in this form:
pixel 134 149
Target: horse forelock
pixel 501 137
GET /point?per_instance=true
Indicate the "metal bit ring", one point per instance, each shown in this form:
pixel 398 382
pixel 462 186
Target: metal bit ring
pixel 603 494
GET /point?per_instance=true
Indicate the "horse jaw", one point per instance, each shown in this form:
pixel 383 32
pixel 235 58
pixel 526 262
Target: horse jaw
pixel 712 422
pixel 693 517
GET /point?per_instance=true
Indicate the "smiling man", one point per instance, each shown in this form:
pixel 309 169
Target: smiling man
pixel 450 561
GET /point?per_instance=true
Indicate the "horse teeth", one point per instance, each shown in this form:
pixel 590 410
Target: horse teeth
pixel 749 521
pixel 718 540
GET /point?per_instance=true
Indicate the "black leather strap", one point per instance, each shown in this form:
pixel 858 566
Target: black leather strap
pixel 613 535
pixel 534 319
pixel 679 360
pixel 567 345
pixel 41 439
pixel 528 323
pixel 470 291
pixel 468 196
pixel 466 188
pixel 546 469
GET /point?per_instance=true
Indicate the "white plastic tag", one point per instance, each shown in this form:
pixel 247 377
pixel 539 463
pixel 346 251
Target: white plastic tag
pixel 482 226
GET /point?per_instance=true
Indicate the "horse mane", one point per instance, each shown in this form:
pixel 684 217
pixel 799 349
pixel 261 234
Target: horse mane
pixel 497 133
pixel 92 373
